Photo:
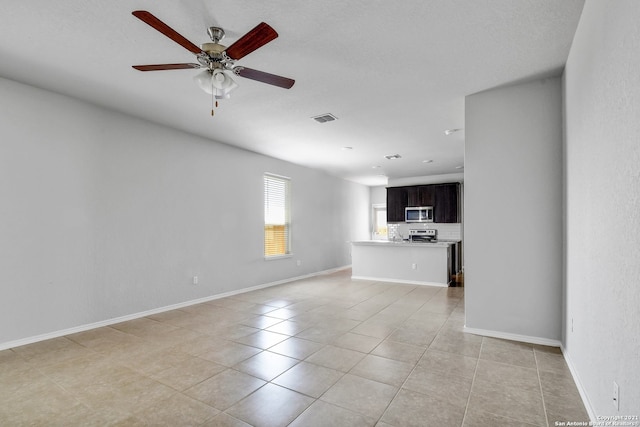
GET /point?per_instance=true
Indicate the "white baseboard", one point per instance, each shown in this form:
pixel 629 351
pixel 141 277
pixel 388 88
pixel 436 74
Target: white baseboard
pixel 581 389
pixel 407 282
pixel 513 337
pixel 102 323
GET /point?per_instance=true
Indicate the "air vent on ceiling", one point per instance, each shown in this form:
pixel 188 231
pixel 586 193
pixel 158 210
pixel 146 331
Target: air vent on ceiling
pixel 324 118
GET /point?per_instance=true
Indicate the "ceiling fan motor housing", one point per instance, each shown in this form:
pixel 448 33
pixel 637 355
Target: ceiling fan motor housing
pixel 213 48
pixel 215 54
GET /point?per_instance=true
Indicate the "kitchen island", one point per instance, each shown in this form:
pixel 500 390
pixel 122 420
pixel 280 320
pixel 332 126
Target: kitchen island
pixel 402 262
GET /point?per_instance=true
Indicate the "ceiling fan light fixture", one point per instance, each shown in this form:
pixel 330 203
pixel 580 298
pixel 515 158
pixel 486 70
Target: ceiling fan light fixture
pixel 215 82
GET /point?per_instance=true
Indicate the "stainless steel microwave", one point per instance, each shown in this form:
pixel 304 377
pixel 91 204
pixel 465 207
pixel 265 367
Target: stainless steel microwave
pixel 418 214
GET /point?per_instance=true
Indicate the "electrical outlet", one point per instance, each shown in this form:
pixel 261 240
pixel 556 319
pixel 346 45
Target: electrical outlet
pixel 298 263
pixel 414 266
pixel 616 396
pixel 195 280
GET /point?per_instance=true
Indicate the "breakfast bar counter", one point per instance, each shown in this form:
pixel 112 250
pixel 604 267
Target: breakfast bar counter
pixel 402 261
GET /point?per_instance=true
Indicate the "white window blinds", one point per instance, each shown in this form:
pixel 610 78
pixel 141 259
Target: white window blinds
pixel 276 215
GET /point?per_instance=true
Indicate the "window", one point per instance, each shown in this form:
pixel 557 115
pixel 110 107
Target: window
pixel 379 220
pixel 277 225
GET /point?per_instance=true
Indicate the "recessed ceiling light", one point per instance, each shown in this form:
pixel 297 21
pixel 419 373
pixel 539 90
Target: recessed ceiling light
pixel 376 167
pixel 450 131
pixel 427 161
pixel 392 156
pixel 347 148
pixel 459 167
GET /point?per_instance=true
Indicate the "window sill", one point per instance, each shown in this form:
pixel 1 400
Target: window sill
pixel 276 257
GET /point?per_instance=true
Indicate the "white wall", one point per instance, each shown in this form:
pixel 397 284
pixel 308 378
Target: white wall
pixel 378 195
pixel 602 108
pixel 103 215
pixel 513 211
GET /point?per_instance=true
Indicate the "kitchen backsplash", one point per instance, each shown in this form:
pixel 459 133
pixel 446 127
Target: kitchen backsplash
pixel 445 231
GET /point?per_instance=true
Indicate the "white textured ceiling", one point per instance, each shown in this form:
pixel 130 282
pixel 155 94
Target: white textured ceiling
pixel 394 73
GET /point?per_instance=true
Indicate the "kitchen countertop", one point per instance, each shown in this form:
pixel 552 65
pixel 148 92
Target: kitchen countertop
pixel 438 244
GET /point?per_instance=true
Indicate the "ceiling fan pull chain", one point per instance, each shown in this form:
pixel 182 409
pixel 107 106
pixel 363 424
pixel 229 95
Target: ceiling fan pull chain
pixel 212 99
pixel 213 105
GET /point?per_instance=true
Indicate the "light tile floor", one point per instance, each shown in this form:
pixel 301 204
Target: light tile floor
pixel 325 351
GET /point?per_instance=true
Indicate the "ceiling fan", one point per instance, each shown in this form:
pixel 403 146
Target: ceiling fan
pixel 217 58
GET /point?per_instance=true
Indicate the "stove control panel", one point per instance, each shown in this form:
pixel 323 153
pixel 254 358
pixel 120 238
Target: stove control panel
pixel 423 233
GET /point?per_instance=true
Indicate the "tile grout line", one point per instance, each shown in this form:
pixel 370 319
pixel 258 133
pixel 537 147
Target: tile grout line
pixel 473 380
pixel 544 405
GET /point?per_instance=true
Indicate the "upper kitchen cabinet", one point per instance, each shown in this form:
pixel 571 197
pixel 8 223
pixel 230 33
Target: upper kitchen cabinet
pixel 396 202
pixel 445 199
pixel 420 195
pixel 445 206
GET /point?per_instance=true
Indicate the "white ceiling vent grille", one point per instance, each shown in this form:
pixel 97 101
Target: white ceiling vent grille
pixel 324 118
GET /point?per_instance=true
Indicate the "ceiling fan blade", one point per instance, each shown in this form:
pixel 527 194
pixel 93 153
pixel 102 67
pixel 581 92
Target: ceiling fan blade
pixel 261 76
pixel 151 20
pixel 258 37
pixel 159 67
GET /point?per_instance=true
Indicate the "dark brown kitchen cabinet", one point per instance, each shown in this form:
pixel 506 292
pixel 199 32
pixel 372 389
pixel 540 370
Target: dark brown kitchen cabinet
pixel 445 206
pixel 396 202
pixel 412 196
pixel 420 195
pixel 445 199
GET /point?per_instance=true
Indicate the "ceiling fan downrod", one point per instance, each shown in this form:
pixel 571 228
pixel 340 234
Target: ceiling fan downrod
pixel 216 34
